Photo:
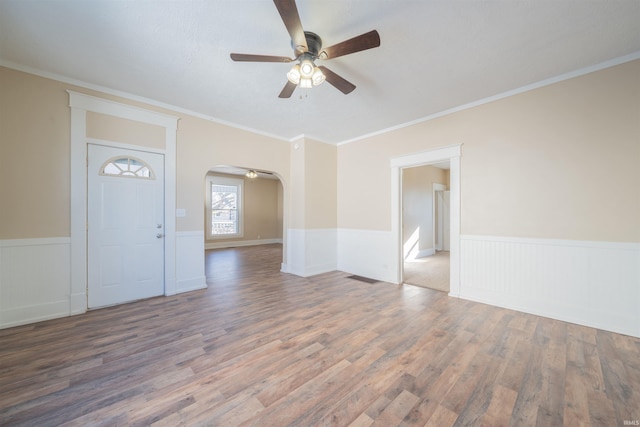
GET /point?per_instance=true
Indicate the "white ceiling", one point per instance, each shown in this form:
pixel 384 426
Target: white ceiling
pixel 434 55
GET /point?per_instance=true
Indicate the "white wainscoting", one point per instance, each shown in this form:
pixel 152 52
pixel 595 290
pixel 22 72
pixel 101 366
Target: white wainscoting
pixel 368 253
pixel 190 274
pixel 595 284
pixel 35 277
pixel 311 252
pixel 35 282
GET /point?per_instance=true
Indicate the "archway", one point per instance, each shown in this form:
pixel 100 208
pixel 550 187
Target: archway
pixel 244 208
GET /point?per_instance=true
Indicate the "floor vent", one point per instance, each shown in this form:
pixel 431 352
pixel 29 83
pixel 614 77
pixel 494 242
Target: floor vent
pixel 363 279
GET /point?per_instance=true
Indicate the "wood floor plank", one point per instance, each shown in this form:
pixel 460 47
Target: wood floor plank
pixel 441 417
pixel 397 409
pixel 500 408
pixel 261 347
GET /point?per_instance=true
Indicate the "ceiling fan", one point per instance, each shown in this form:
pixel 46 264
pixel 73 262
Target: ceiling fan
pixel 307 47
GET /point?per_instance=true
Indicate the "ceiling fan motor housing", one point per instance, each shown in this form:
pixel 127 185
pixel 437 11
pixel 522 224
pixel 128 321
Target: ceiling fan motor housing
pixel 314 43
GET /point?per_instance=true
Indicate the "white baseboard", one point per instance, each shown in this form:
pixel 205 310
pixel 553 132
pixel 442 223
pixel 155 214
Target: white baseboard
pixel 35 280
pixel 34 313
pixel 426 252
pixel 240 243
pixel 192 284
pixel 594 284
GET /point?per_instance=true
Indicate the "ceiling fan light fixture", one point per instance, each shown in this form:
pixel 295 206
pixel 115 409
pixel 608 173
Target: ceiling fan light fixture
pixel 305 74
pixel 294 74
pixel 306 83
pixel 307 68
pixel 318 77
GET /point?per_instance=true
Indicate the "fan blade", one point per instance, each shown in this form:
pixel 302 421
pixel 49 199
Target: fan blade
pixel 289 14
pixel 338 82
pixel 362 42
pixel 259 58
pixel 288 89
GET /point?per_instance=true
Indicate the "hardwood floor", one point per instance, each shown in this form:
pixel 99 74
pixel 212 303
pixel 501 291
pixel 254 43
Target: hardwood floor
pixel 264 348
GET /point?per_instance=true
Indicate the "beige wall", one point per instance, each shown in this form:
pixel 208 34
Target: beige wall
pixel 203 144
pixel 34 157
pixel 417 203
pixel 109 128
pixel 313 184
pixel 262 214
pixel 280 208
pixel 34 154
pixel 531 164
pixel 320 185
pixel 298 179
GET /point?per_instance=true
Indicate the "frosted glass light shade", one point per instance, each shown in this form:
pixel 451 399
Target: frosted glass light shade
pixel 317 77
pixel 294 74
pixel 306 83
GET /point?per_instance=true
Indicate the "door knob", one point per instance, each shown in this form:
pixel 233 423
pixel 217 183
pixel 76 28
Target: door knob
pixel 159 235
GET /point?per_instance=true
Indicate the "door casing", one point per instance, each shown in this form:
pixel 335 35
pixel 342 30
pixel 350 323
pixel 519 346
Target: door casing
pixel 80 105
pixel 451 153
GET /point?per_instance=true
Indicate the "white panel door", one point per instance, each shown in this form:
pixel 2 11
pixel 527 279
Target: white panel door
pixel 125 234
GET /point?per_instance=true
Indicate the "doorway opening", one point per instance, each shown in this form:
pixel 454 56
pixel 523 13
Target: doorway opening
pixel 425 225
pixel 244 217
pixel 449 154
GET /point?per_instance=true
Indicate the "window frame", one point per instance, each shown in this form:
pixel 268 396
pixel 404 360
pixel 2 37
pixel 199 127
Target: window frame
pixel 135 172
pixel 220 180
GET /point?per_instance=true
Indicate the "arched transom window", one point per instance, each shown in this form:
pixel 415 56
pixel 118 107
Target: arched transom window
pixel 128 167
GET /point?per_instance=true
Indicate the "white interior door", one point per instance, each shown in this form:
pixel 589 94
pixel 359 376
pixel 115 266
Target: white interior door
pixel 125 234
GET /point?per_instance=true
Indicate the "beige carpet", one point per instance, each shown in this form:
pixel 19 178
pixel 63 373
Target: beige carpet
pixel 429 272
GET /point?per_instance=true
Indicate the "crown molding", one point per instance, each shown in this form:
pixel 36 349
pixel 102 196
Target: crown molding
pixel 546 82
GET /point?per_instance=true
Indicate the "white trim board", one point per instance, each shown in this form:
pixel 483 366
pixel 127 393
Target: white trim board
pixel 240 243
pixel 38 241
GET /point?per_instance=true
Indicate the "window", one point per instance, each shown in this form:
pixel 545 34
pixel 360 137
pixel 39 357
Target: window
pixel 224 207
pixel 127 167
